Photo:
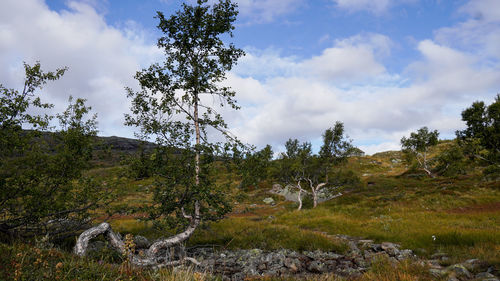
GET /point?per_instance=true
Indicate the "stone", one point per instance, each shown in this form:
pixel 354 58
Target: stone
pixel 316 267
pixel 376 247
pixel 405 254
pixel 460 271
pixel 390 248
pixel 486 276
pixel 293 264
pixel 268 200
pixel 438 273
pixel 141 242
pixel 475 265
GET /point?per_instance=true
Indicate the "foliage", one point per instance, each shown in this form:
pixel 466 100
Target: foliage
pixel 299 166
pixel 140 166
pixel 416 147
pixel 172 107
pixel 42 188
pixel 336 147
pixel 481 138
pixel 451 162
pixel 255 166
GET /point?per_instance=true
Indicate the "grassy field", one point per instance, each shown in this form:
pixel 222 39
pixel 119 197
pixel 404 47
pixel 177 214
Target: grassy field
pixel 458 216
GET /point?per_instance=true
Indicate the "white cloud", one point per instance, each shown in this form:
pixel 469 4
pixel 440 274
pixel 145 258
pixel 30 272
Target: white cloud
pixel 301 98
pixel 281 96
pixel 373 6
pixel 102 60
pixel 263 11
pixel 487 10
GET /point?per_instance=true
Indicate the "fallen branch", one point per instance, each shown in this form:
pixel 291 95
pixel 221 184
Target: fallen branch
pixel 104 228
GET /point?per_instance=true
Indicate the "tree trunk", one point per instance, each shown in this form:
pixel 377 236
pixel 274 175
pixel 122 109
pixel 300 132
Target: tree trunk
pixel 81 246
pixel 299 196
pixel 315 199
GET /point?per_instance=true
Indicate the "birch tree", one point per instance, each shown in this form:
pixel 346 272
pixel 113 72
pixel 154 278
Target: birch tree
pixel 176 107
pixel 417 147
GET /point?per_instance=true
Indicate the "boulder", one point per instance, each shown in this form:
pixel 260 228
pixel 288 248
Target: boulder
pixel 485 276
pixel 390 248
pixel 460 271
pixel 316 267
pixel 141 242
pixel 268 200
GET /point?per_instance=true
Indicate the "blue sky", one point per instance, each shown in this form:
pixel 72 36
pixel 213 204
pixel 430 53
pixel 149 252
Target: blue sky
pixel 383 67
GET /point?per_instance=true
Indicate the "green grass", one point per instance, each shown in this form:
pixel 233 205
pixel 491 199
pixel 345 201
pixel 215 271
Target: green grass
pixel 28 262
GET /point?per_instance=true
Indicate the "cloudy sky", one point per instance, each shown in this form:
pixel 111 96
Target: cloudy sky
pixel 383 67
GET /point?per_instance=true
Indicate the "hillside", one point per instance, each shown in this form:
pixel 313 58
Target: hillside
pixel 446 221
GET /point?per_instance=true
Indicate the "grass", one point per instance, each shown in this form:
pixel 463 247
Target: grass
pixel 29 262
pixel 459 216
pixel 411 213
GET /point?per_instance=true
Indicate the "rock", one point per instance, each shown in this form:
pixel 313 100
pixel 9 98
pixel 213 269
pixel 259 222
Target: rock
pixel 390 248
pixel 316 267
pixel 376 247
pixel 434 264
pixel 452 278
pixel 277 188
pixel 405 254
pixel 486 276
pixel 293 264
pixel 141 242
pixel 475 265
pixel 460 271
pixel 268 200
pixel 438 273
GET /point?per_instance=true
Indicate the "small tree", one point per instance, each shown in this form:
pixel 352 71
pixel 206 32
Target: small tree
pixel 416 147
pixel 291 165
pixel 299 165
pixel 42 191
pixel 172 106
pixel 336 147
pixel 481 138
pixel 254 168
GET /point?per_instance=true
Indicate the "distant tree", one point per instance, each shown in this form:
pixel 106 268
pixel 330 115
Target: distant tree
pixel 416 147
pixel 42 190
pixel 355 151
pixel 300 166
pixel 296 163
pixel 174 105
pixel 451 161
pixel 336 147
pixel 481 138
pixel 254 167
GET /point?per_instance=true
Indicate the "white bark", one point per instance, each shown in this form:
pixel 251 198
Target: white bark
pixel 300 195
pixel 82 243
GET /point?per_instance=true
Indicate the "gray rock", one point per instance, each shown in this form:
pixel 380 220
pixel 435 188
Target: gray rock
pixel 268 200
pixel 475 265
pixel 316 267
pixel 460 271
pixel 486 276
pixel 438 273
pixel 390 248
pixel 294 265
pixel 141 242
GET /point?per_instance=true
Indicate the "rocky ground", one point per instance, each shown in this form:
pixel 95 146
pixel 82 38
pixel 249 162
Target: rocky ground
pixel 240 264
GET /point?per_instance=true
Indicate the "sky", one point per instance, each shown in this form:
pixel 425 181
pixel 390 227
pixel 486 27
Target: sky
pixel 384 68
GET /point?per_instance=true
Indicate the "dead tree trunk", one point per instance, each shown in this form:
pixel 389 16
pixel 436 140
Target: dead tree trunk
pixel 104 228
